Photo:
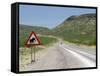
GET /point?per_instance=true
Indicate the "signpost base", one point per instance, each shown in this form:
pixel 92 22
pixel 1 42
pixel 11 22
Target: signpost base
pixel 32 55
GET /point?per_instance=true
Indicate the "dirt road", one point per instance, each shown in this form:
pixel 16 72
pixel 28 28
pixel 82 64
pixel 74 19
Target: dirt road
pixel 62 56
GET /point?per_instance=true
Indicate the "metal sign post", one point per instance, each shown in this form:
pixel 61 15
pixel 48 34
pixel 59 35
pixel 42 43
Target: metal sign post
pixel 31 55
pixel 32 41
pixel 32 59
pixel 34 53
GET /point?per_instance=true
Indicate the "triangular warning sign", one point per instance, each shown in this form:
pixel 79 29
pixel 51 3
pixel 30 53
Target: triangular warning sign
pixel 32 40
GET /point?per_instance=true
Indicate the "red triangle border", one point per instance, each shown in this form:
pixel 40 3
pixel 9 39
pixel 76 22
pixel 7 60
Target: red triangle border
pixel 29 38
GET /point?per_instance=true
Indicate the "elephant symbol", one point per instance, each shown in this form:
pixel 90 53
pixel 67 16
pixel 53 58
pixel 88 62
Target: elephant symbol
pixel 32 40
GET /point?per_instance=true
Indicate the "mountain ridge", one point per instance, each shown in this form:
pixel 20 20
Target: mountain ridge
pixel 77 29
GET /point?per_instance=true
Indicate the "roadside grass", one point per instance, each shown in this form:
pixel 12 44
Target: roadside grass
pixel 87 39
pixel 46 41
pixel 25 56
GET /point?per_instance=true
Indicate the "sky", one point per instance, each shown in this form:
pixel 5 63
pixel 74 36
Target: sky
pixel 48 16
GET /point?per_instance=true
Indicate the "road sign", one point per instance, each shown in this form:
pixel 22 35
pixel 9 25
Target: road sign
pixel 32 40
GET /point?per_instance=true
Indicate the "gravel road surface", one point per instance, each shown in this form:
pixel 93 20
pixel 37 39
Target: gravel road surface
pixel 62 56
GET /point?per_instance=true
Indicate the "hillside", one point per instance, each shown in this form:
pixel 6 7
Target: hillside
pixel 37 29
pixel 78 29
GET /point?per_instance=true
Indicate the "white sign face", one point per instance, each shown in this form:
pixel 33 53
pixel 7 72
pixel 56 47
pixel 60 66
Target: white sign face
pixel 33 39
